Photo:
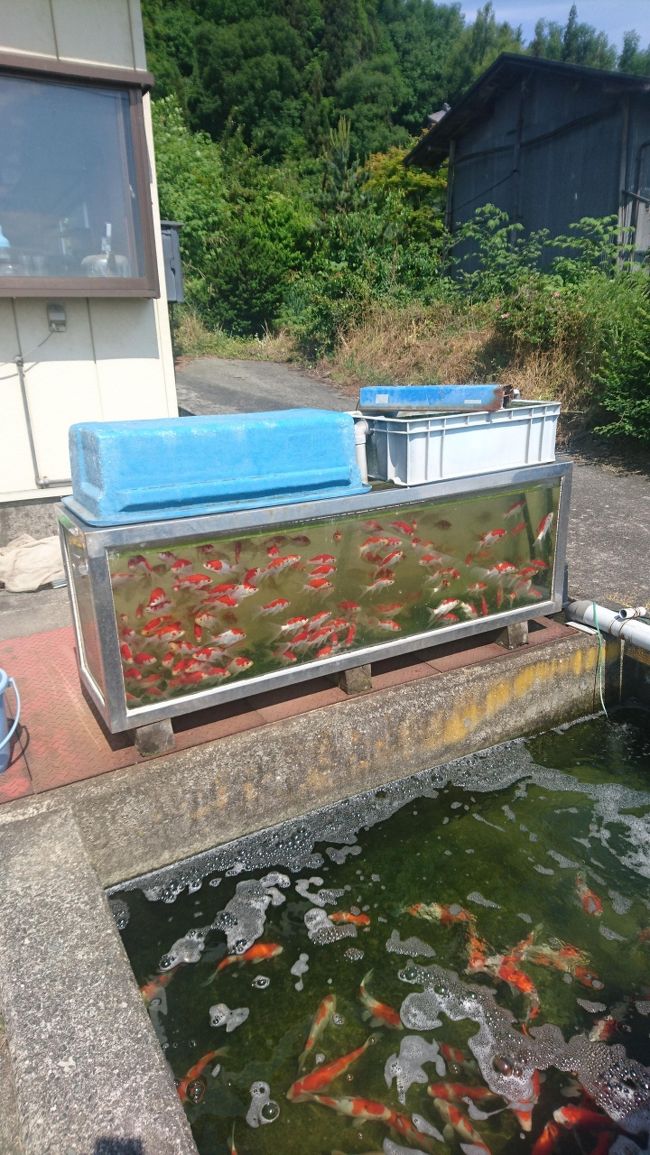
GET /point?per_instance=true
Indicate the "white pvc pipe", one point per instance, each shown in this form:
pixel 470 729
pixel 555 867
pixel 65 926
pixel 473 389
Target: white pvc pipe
pixel 625 623
pixel 360 435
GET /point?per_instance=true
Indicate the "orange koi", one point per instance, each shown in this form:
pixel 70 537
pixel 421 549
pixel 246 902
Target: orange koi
pixel 323 1016
pixel 461 1125
pixel 517 981
pixel 348 917
pixel 591 904
pixel 257 953
pixel 153 989
pixel 587 978
pixel 321 1078
pixel 363 1110
pixel 546 1142
pixel 456 1092
pixel 381 1013
pixel 195 1094
pixel 572 1116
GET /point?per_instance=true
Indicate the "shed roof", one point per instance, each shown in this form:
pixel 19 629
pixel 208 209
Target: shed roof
pixel 508 69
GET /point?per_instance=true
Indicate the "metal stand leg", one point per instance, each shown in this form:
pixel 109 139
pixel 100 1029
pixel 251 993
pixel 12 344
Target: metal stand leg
pixel 356 680
pixel 156 738
pixel 513 636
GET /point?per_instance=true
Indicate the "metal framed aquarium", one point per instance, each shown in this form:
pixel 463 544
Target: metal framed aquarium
pixel 175 615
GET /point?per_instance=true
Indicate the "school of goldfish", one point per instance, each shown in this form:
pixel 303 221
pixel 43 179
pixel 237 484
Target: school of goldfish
pixel 196 616
pixel 325 1084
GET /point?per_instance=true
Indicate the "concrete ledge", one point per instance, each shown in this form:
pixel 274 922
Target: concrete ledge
pixel 89 1074
pixel 141 818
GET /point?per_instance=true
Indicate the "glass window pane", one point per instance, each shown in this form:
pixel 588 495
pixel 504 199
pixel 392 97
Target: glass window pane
pixel 68 204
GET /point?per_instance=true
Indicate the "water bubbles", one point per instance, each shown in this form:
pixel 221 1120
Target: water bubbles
pixel 214 882
pixel 409 946
pixel 299 968
pixel 261 982
pixel 196 1090
pixel 187 949
pixel 338 1019
pixel 263 1109
pixel 353 954
pixel 120 911
pixel 222 1016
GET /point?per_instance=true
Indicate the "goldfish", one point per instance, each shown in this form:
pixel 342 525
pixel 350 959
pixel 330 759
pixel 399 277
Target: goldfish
pixel 509 972
pixel 143 659
pixel 154 988
pixel 318 584
pixel 179 564
pixel 323 569
pixel 444 607
pixel 229 637
pixel 322 559
pixel 523 1108
pixel 275 606
pixel 139 561
pixel 192 581
pixel 349 607
pixel 436 912
pixel 543 528
pixel 380 583
pixel 232 1150
pixel 158 600
pixel 349 917
pixel 323 1016
pixel 515 508
pixel 477 953
pixel 260 952
pixel 492 536
pixel 388 625
pixel 216 565
pixel 591 903
pixel 546 1141
pixel 319 1079
pixel 126 652
pixel 170 632
pixel 380 1013
pixel 293 624
pixel 587 978
pixel 185 1089
pixel 573 1116
pixel 461 1125
pixel 518 528
pixel 363 1110
pixel 150 627
pixel 240 665
pixel 406 527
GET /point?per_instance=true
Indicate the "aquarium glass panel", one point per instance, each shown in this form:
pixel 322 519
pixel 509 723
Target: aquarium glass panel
pixel 195 615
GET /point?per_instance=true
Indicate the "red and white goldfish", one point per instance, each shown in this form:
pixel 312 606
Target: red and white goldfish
pixel 319 1079
pixel 154 988
pixel 492 536
pixel 381 1013
pixel 543 528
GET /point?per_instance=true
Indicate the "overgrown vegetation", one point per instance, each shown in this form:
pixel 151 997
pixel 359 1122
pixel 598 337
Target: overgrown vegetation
pixel 280 138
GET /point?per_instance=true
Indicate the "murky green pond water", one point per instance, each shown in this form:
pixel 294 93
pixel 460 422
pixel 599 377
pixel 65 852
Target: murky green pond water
pixel 444 964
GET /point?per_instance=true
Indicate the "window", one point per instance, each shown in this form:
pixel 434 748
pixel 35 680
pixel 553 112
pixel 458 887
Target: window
pixel 75 208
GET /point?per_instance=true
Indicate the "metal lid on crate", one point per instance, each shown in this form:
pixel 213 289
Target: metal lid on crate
pixel 410 399
pixel 128 472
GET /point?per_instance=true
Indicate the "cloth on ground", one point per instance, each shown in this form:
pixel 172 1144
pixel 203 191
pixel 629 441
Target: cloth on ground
pixel 27 563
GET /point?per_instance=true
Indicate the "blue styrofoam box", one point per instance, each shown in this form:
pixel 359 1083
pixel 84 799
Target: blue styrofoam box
pixel 423 398
pixel 125 472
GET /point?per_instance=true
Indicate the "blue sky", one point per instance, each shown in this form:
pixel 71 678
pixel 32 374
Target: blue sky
pixel 610 16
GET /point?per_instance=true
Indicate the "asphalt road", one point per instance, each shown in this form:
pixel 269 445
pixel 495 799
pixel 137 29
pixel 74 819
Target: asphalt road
pixel 608 548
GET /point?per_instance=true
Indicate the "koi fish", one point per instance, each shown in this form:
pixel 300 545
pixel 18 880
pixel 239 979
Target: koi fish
pixel 546 1142
pixel 591 903
pixel 572 1116
pixel 492 536
pixel 154 988
pixel 240 665
pixel 456 1092
pixel 185 1091
pixel 436 912
pixel 587 978
pixel 257 953
pixel 509 972
pixel 477 953
pixel 323 1016
pixel 362 1110
pixel 347 916
pixel 543 528
pixel 406 527
pixel 321 1078
pixel 381 1014
pixel 461 1125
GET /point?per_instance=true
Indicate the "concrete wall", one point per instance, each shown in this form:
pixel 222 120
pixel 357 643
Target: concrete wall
pixel 114 360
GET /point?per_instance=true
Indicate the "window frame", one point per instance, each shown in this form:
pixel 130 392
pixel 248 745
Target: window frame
pixel 135 84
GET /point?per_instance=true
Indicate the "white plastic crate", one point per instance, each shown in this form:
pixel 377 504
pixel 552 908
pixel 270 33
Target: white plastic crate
pixel 414 450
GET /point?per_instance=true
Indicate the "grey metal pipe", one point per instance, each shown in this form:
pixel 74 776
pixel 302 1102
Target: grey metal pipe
pixel 625 623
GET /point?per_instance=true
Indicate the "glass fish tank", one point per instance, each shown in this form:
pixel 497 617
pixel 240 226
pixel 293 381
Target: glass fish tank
pixel 285 596
pixel 458 962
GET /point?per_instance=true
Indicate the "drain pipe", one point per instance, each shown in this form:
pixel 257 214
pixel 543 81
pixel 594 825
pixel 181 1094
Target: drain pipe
pixel 631 623
pixel 360 435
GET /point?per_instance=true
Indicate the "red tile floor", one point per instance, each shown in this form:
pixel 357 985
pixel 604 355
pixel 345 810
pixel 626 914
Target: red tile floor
pixel 61 739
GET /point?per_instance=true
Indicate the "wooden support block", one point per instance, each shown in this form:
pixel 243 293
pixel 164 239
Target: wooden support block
pixel 513 636
pixel 356 680
pixel 156 738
